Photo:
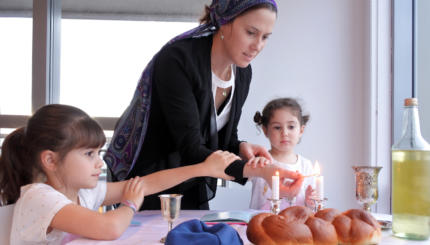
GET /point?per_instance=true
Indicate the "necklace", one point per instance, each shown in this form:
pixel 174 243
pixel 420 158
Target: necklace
pixel 230 70
pixel 224 86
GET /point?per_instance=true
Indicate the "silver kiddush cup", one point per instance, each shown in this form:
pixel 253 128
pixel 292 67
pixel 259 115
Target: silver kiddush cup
pixel 170 209
pixel 366 185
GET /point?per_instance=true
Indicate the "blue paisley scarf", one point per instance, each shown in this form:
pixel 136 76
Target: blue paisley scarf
pixel 130 130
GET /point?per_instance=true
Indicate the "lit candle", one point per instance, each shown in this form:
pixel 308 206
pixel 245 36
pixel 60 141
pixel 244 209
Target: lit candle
pixel 275 186
pixel 319 182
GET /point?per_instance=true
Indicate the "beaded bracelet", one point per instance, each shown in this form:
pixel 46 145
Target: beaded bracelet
pixel 129 204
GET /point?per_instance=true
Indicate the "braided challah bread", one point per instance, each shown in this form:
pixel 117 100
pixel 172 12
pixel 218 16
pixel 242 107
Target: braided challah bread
pixel 299 225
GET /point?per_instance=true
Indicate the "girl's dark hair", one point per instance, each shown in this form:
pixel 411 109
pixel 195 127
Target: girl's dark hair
pixel 292 104
pixel 59 128
pixel 206 17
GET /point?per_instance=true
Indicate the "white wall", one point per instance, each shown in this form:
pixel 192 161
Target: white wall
pixel 319 52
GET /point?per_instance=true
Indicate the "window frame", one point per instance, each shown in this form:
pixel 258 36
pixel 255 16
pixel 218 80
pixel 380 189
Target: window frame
pixel 47 16
pixel 403 60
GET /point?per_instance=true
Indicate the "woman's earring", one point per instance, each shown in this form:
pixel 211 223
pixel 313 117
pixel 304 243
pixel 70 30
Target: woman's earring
pixel 222 37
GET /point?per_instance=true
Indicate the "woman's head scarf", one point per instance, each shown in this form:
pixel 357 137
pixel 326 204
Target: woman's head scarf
pixel 130 130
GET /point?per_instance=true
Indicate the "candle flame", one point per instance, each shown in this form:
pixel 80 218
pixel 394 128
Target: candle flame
pixel 317 169
pixel 277 173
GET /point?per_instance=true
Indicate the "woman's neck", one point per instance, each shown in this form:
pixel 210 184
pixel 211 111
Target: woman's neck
pixel 284 156
pixel 220 64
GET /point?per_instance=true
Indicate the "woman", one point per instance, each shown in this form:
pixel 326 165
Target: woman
pixel 189 101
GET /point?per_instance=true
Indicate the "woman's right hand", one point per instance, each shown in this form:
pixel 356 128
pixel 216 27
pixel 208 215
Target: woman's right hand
pixel 290 188
pixel 310 192
pixel 216 163
pixel 133 191
pixel 291 182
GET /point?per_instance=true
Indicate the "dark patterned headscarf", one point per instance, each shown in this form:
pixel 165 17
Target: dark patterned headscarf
pixel 224 11
pixel 130 131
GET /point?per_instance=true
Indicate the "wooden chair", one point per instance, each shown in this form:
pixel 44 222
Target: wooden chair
pixel 6 213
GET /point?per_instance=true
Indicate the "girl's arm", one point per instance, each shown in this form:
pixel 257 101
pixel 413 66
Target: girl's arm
pixel 213 166
pixel 82 221
pixel 85 222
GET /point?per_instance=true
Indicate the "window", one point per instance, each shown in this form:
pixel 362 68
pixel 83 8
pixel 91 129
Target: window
pixel 101 60
pixel 30 77
pixel 15 65
pixel 99 67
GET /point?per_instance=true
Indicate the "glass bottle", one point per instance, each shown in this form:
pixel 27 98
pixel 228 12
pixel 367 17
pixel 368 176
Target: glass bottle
pixel 411 178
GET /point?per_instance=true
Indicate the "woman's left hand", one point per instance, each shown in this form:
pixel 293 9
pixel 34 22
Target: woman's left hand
pixel 254 154
pixel 216 163
pixel 258 161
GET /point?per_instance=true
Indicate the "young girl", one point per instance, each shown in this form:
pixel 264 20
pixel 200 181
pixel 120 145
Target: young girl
pixel 51 168
pixel 283 124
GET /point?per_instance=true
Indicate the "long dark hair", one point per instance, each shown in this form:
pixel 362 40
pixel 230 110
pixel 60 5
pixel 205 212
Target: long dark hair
pixel 59 128
pixel 292 104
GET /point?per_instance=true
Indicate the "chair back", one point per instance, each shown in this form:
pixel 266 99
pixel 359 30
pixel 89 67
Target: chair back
pixel 6 213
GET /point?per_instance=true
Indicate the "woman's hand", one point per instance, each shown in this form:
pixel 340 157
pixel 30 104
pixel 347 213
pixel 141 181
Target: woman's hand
pixel 216 163
pixel 258 161
pixel 310 192
pixel 291 182
pixel 133 191
pixel 250 152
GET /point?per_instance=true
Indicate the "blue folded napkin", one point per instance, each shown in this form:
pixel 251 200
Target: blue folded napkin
pixel 196 232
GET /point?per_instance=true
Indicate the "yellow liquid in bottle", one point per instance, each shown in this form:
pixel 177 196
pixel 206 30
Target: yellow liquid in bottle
pixel 411 194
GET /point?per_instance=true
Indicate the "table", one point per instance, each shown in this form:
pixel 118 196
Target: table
pixel 153 227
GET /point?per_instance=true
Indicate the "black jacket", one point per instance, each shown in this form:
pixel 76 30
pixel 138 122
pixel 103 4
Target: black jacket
pixel 182 128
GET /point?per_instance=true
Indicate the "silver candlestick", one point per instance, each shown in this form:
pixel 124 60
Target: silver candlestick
pixel 318 203
pixel 275 205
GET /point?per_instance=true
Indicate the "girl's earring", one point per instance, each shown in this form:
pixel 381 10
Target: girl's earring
pixel 222 37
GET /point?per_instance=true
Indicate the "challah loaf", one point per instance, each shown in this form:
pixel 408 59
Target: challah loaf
pixel 298 225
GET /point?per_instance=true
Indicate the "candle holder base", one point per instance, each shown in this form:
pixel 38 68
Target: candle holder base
pixel 291 201
pixel 275 205
pixel 318 203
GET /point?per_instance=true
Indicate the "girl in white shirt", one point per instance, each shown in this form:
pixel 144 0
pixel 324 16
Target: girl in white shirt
pixel 51 169
pixel 283 124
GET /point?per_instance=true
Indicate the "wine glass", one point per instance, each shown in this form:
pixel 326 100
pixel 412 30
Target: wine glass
pixel 366 185
pixel 170 208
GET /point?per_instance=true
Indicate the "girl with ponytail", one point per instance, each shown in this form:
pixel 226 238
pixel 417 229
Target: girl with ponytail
pixel 50 169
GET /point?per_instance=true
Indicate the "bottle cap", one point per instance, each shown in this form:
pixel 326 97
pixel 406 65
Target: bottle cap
pixel 411 102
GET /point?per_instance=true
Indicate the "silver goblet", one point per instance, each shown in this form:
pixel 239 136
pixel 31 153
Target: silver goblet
pixel 170 208
pixel 366 185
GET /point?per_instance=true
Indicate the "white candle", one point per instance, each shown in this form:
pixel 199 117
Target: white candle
pixel 275 186
pixel 319 182
pixel 319 187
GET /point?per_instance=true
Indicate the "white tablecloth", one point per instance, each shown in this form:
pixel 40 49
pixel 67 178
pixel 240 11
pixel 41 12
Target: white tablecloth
pixel 152 227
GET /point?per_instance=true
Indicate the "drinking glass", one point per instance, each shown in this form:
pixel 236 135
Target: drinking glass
pixel 366 185
pixel 170 208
